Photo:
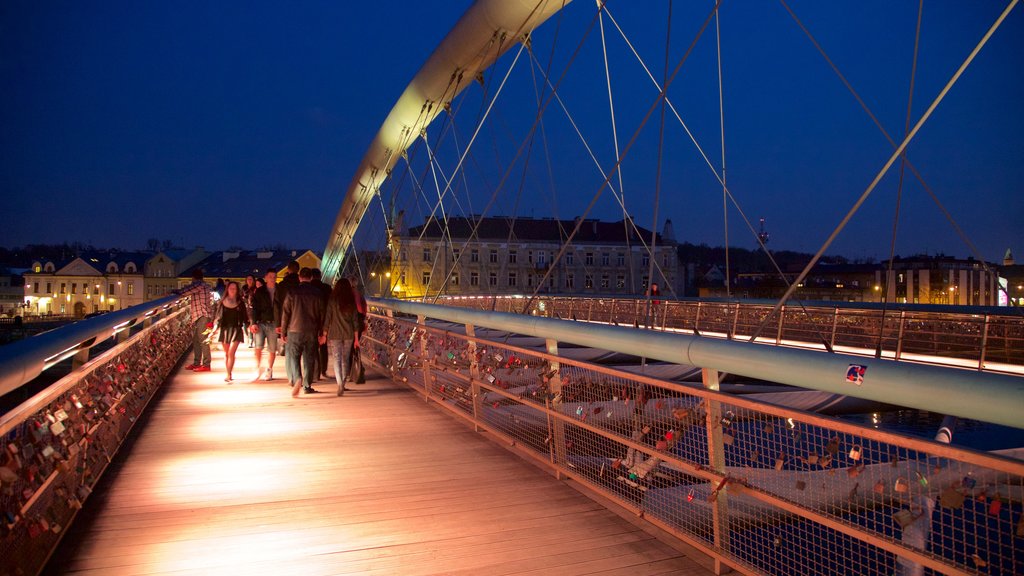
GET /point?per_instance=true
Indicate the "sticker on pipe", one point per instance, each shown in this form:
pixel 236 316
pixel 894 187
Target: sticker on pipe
pixel 855 373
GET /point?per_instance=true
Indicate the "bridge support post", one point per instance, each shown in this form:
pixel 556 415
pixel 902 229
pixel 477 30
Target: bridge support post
pixel 835 326
pixel 556 429
pixel 984 343
pixel 424 352
pixel 474 378
pixel 899 337
pixel 79 359
pixel 716 457
pixel 782 318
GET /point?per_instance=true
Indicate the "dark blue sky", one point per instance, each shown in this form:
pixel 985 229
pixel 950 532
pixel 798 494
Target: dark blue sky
pixel 240 123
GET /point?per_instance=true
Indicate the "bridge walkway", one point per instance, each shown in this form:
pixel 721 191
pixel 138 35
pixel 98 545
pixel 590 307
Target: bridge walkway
pixel 244 479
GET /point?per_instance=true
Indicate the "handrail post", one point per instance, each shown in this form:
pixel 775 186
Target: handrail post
pixel 421 320
pixel 556 429
pixel 735 322
pixel 899 335
pixel 590 310
pixel 79 359
pixel 778 334
pixel 696 319
pixel 984 343
pixel 835 325
pixel 474 378
pixel 716 458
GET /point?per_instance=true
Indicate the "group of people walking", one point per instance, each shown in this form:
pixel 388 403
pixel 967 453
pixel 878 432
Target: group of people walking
pixel 313 321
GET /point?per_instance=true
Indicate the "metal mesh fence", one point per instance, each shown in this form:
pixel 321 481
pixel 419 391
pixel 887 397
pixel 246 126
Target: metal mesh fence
pixel 57 444
pixel 768 489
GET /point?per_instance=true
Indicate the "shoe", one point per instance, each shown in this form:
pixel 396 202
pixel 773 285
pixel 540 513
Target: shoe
pixel 192 366
pixel 228 379
pixel 311 391
pixel 268 376
pixel 341 390
pixel 201 369
pixel 295 389
pixel 255 378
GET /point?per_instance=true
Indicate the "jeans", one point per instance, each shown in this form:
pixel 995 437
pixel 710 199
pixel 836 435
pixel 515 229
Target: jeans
pixel 200 344
pixel 341 359
pixel 301 345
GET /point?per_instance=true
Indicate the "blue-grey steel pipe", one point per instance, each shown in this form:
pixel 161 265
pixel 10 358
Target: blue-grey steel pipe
pixel 23 360
pixel 987 397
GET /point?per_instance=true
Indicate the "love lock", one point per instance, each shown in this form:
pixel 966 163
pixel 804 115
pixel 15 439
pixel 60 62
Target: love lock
pixel 901 485
pixel 855 452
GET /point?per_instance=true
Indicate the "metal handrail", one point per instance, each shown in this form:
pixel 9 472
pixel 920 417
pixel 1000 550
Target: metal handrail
pixel 22 361
pixel 980 338
pixel 988 397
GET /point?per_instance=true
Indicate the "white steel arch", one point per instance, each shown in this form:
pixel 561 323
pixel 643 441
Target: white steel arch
pixel 485 32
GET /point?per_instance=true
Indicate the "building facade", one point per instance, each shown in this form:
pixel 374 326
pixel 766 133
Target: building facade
pixel 89 283
pixel 162 270
pixel 236 265
pixel 939 280
pixel 517 256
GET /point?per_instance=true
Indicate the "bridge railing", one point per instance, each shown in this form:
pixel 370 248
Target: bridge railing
pixel 56 445
pixel 986 339
pixel 761 488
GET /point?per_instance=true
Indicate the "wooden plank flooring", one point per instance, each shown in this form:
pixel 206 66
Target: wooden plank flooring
pixel 243 479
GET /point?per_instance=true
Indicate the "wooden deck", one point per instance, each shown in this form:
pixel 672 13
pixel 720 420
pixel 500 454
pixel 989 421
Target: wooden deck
pixel 243 479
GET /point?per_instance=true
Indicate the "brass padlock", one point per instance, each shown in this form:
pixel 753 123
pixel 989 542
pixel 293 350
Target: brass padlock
pixel 855 452
pixel 901 485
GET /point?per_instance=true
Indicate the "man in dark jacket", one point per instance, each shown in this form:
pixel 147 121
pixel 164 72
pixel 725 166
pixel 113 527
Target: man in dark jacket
pixel 290 280
pixel 302 317
pixel 263 329
pixel 325 289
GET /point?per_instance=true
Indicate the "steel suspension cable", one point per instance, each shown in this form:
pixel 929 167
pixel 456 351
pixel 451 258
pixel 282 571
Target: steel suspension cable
pixel 888 164
pixel 707 161
pixel 721 123
pixel 632 141
pixel 615 142
pixel 632 227
pixel 899 185
pixel 913 169
pixel 658 176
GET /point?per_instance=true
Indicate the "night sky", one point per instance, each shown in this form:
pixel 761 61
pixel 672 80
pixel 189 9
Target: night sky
pixel 230 123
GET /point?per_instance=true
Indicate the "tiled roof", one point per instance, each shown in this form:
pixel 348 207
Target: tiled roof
pixel 247 262
pixel 535 229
